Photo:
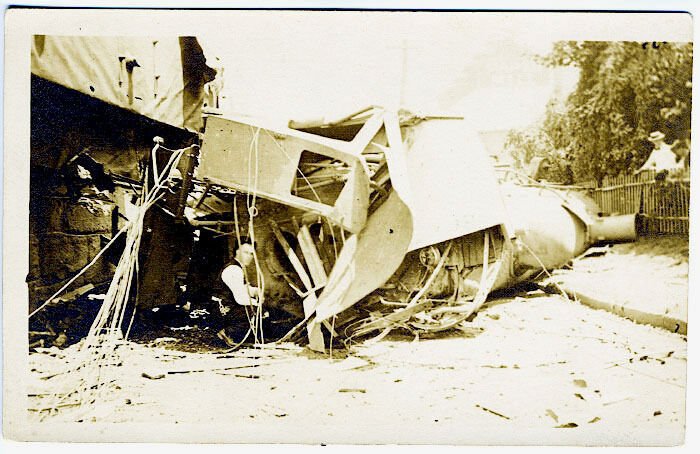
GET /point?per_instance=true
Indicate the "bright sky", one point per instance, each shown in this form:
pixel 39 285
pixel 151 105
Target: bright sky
pixel 314 64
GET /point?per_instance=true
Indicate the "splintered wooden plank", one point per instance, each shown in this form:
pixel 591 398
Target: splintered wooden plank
pixel 314 329
pixel 318 274
pixel 312 257
pixel 314 332
pixel 296 263
pixel 366 134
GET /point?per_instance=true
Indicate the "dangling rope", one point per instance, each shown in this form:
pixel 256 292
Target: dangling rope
pixel 100 347
pixel 237 233
pixel 251 200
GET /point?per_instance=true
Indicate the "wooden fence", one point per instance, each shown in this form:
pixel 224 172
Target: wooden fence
pixel 663 203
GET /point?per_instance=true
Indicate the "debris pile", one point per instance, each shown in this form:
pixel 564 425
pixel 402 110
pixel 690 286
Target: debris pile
pixel 425 315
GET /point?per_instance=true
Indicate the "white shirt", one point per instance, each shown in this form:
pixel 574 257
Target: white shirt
pixel 232 276
pixel 662 159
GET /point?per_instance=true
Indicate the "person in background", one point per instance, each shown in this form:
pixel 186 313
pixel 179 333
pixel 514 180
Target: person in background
pixel 681 147
pixel 240 277
pixel 661 158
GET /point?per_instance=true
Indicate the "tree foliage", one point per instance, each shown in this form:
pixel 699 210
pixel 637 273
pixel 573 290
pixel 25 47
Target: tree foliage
pixel 625 91
pixel 526 145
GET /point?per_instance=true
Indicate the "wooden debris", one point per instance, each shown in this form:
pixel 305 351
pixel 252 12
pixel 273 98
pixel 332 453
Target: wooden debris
pixel 351 362
pixel 72 295
pixel 192 371
pixel 39 343
pixel 152 376
pixel 568 425
pixel 312 257
pixel 552 415
pixel 315 335
pixel 415 306
pixel 488 410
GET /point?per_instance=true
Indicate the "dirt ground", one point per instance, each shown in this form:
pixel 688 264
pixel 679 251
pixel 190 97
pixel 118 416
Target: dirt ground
pixel 530 369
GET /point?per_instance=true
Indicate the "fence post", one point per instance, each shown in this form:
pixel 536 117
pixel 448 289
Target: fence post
pixel 663 205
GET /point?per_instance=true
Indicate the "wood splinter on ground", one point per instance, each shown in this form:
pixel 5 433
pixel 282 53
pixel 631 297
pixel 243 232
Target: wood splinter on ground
pixel 152 376
pixel 488 410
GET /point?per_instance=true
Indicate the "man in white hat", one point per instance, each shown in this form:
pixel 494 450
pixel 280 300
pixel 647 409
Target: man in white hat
pixel 661 158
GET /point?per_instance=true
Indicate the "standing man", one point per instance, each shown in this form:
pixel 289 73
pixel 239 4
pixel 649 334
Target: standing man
pixel 661 158
pixel 240 277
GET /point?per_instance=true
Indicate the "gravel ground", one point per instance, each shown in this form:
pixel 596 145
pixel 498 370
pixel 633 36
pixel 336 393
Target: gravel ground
pixel 535 369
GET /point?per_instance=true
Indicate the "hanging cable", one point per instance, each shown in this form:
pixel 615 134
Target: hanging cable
pixel 249 317
pixel 81 272
pixel 251 200
pixel 100 346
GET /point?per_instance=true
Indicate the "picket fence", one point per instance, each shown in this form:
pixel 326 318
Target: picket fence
pixel 662 203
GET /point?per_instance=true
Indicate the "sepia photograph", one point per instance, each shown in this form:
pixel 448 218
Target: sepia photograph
pixel 347 227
